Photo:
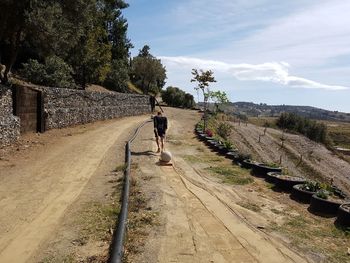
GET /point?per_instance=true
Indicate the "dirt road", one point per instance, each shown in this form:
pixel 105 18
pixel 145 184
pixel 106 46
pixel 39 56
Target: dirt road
pixel 199 218
pixel 37 186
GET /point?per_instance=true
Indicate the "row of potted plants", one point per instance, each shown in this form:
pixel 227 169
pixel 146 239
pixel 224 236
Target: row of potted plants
pixel 324 200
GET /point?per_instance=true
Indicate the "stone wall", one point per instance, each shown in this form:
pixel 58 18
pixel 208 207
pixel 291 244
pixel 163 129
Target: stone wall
pixel 9 124
pixel 65 107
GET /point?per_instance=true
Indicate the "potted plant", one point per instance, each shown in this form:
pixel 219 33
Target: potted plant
pixel 261 169
pixel 343 217
pixel 326 201
pixel 286 181
pixel 304 192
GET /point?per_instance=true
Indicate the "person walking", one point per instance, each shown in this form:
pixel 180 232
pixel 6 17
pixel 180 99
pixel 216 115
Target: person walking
pixel 152 101
pixel 160 124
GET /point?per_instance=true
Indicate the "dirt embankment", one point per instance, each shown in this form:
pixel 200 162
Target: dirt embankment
pixel 300 155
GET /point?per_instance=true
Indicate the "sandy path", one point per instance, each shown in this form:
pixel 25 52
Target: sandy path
pixel 36 191
pixel 200 224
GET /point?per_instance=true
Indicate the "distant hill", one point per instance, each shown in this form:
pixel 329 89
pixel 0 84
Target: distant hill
pixel 263 110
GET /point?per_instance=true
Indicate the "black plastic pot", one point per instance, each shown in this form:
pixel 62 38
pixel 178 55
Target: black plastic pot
pixel 231 154
pixel 202 136
pixel 209 142
pixel 288 183
pixel 262 170
pixel 271 177
pixel 324 207
pixel 343 217
pixel 301 195
pixel 247 164
pixel 222 149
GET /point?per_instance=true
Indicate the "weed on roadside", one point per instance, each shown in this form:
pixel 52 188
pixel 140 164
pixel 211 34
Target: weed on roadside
pixel 250 206
pixel 202 158
pixel 317 235
pixel 232 175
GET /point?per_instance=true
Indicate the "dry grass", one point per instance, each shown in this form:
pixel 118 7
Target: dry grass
pixel 232 174
pixel 317 236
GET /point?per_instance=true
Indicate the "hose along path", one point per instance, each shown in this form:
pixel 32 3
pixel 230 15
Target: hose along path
pixel 118 239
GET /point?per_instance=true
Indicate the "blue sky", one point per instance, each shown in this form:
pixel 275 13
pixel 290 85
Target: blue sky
pixel 277 52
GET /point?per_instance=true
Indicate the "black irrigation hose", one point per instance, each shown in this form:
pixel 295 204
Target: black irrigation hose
pixel 116 255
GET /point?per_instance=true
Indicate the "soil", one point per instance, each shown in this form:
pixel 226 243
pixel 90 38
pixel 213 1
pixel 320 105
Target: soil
pixel 45 181
pixel 301 156
pixel 199 219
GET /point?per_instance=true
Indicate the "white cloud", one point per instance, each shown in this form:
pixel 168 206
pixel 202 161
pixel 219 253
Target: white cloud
pixel 276 72
pixel 305 38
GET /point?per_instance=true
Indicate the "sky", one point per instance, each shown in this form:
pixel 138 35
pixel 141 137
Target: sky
pixel 294 52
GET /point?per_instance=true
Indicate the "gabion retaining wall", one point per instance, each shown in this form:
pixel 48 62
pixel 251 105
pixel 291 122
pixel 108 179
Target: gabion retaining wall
pixel 9 124
pixel 64 107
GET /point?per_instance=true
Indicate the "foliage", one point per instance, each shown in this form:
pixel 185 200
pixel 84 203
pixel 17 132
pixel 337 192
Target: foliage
pixel 118 77
pixel 219 98
pixel 55 73
pixel 228 145
pixel 311 129
pixel 88 35
pixel 311 186
pixel 176 97
pixel 224 130
pixel 147 72
pixel 203 80
pixel 324 194
pixel 200 125
pixel 209 133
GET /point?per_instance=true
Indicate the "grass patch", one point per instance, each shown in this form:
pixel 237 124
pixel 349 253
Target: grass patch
pixel 232 175
pixel 97 221
pixel 339 132
pixel 202 158
pixel 317 235
pixel 250 206
pixel 120 168
pixel 264 121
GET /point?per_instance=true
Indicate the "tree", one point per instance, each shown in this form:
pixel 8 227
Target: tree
pixel 203 79
pixel 45 28
pixel 145 52
pixel 219 98
pixel 89 35
pixel 176 97
pixel 147 72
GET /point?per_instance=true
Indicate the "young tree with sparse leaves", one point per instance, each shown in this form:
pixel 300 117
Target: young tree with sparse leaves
pixel 203 80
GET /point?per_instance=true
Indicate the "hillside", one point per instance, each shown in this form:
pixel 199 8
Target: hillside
pixel 262 109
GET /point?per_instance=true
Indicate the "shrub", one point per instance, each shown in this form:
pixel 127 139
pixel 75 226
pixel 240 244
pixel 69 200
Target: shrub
pixel 176 97
pixel 209 133
pixel 228 145
pixel 311 186
pixel 55 73
pixel 313 130
pixel 224 130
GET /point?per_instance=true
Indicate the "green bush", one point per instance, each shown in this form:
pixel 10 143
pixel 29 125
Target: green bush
pixel 54 73
pixel 176 97
pixel 313 130
pixel 224 130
